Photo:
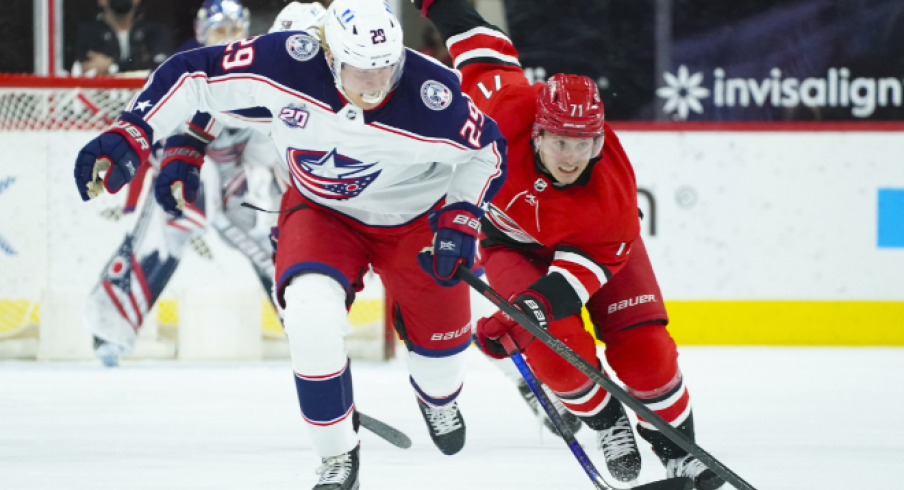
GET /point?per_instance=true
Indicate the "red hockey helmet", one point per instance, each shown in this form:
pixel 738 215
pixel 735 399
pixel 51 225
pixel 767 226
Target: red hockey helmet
pixel 569 105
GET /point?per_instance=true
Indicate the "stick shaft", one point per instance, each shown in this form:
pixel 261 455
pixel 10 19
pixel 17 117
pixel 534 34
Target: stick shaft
pixel 566 434
pixel 598 377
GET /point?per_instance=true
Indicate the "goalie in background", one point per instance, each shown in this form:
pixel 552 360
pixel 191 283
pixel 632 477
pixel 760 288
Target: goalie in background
pixel 241 164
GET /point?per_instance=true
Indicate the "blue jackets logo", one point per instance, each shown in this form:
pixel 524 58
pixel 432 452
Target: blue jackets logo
pixel 330 175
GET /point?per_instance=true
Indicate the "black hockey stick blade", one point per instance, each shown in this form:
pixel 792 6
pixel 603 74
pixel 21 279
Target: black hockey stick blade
pixel 390 434
pixel 670 484
pixel 599 378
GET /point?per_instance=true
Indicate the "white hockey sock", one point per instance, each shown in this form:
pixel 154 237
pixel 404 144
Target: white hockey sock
pixel 438 380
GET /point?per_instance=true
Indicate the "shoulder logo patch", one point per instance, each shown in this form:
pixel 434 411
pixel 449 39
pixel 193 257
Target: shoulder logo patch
pixel 302 46
pixel 436 95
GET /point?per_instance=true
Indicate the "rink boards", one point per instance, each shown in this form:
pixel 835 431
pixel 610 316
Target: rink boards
pixel 758 237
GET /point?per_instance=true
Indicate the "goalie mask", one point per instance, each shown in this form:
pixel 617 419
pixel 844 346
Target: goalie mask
pixel 221 22
pixel 364 42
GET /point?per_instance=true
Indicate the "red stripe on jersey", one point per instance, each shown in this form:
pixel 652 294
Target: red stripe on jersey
pixel 474 39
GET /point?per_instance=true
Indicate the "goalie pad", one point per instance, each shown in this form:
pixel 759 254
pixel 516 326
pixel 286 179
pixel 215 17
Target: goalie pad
pixel 138 271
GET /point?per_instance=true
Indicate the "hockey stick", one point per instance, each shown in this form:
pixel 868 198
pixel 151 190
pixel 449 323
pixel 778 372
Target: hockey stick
pixel 598 377
pixel 576 449
pixel 263 267
pixel 390 434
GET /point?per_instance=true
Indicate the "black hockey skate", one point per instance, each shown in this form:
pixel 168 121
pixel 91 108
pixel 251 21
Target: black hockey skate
pixel 447 427
pixel 617 443
pixel 691 467
pixel 571 421
pixel 339 472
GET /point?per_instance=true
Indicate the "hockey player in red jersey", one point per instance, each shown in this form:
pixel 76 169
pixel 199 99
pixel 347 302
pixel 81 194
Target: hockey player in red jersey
pixel 559 236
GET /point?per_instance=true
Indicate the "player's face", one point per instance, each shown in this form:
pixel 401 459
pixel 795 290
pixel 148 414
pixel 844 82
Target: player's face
pixel 366 88
pixel 225 33
pixel 566 158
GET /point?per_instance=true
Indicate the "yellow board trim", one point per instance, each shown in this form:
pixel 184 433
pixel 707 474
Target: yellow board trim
pixel 789 323
pixel 792 323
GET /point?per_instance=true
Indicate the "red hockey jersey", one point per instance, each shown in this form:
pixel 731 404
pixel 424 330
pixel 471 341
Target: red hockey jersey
pixel 586 228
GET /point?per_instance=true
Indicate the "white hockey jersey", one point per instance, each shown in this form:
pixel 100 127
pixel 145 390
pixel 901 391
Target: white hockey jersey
pixel 382 167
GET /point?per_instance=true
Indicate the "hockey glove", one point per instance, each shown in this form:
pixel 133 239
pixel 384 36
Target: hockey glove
pixel 455 229
pixel 490 329
pixel 118 151
pixel 180 169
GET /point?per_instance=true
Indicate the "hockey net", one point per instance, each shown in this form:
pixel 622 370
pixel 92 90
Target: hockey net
pixel 44 103
pixel 59 109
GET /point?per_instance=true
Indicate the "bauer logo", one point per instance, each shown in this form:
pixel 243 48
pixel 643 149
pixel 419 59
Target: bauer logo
pixel 627 303
pixel 466 330
pixel 436 95
pixel 302 47
pixel 684 91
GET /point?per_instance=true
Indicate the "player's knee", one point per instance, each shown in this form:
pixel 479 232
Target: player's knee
pixel 316 322
pixel 556 372
pixel 644 358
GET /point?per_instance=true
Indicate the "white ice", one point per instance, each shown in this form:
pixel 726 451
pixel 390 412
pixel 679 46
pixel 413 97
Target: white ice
pixel 782 418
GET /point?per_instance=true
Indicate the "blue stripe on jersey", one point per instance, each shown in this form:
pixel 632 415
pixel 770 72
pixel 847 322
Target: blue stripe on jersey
pixel 436 402
pixel 424 351
pixel 300 267
pixel 325 400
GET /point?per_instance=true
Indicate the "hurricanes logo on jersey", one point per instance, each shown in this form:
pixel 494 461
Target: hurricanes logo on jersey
pixel 330 175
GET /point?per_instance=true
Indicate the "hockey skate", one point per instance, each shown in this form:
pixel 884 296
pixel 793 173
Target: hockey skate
pixel 620 449
pixel 571 421
pixel 107 352
pixel 339 472
pixel 447 427
pixel 691 467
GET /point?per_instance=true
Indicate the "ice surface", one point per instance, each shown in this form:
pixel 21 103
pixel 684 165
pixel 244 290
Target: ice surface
pixel 783 418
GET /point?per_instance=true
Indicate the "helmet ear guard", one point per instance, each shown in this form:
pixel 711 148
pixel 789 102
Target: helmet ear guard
pixel 569 105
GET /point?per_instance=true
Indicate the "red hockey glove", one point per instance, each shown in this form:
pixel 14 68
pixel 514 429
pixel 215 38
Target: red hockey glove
pixel 490 329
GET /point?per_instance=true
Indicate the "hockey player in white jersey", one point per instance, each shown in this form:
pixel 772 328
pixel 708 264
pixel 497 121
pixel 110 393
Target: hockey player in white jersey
pixel 240 168
pixel 387 157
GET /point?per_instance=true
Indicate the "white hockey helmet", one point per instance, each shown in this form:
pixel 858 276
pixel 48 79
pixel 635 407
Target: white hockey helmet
pixel 298 16
pixel 364 40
